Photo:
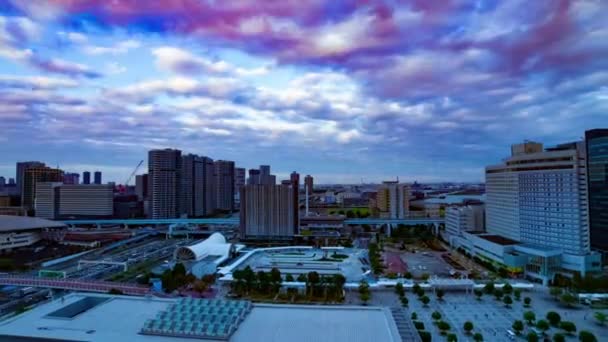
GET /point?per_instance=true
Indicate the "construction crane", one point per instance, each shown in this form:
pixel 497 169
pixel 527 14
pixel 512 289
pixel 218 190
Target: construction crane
pixel 133 173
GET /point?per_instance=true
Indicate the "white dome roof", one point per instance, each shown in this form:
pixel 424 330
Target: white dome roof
pixel 214 245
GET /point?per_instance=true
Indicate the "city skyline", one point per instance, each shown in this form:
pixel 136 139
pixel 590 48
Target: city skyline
pixel 343 92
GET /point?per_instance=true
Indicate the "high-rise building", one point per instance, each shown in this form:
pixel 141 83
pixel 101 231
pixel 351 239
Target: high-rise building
pixel 267 212
pixel 295 184
pixel 224 185
pixel 21 167
pixel 97 177
pixel 56 200
pixel 264 174
pixel 141 187
pixel 239 178
pixel 31 177
pixel 86 177
pixel 2 182
pixel 197 185
pixel 11 181
pixel 597 180
pixel 71 178
pixel 393 200
pixel 254 177
pixel 467 218
pixel 309 183
pixel 164 183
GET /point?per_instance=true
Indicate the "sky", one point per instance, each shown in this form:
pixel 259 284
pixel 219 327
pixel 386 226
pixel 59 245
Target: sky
pixel 348 91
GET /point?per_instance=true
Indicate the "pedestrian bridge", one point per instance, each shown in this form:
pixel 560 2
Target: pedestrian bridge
pixel 75 285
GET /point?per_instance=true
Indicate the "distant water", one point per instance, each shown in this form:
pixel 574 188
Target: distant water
pixel 454 199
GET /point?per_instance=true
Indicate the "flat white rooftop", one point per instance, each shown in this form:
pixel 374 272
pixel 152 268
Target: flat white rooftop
pixel 121 318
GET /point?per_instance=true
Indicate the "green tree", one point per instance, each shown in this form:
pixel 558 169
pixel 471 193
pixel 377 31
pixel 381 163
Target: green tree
pixel 414 316
pixel 436 315
pixel 468 327
pixel 527 302
pixel 478 337
pixel 443 326
pixel 440 293
pixel 489 288
pixel 302 278
pixel 529 317
pixel 567 326
pixel 399 289
pixel 312 281
pixel 364 293
pixel 568 299
pixel 542 325
pixel 425 336
pixel 498 294
pixel 425 300
pixel 555 292
pixel 365 297
pixel 503 272
pixel 416 288
pixel 338 285
pixel 263 282
pixel 554 318
pixel 276 279
pixel 289 278
pixel 518 326
pixel 517 294
pixel 200 286
pixel 559 337
pixel 179 270
pixel 507 300
pixel 532 337
pixel 404 301
pixel 507 289
pixel 600 317
pixel 407 275
pixel 478 294
pixel 452 338
pixel 586 336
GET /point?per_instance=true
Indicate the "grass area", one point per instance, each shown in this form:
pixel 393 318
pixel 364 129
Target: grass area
pixel 354 211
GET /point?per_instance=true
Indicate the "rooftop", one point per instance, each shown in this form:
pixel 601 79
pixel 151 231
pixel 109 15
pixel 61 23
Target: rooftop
pixel 12 223
pixel 97 321
pixel 501 240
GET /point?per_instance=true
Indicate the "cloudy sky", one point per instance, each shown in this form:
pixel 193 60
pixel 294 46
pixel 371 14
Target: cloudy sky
pixel 343 90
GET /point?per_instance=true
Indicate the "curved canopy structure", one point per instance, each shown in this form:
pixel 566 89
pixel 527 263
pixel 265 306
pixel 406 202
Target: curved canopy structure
pixel 215 245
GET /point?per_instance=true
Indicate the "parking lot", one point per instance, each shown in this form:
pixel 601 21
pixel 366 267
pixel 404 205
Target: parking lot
pixel 426 263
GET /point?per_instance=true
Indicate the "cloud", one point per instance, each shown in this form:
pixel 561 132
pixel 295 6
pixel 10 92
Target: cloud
pixel 116 49
pixel 35 82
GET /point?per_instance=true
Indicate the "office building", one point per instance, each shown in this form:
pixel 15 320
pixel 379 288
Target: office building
pixel 464 218
pixel 267 212
pixel 597 179
pixel 197 186
pixel 295 185
pixel 11 181
pixel 224 185
pixel 254 177
pixel 55 200
pixel 71 178
pixel 141 187
pixel 164 183
pixel 97 177
pixel 393 200
pixel 309 184
pixel 264 174
pixel 21 167
pixel 2 183
pixel 86 177
pixel 239 178
pixel 31 177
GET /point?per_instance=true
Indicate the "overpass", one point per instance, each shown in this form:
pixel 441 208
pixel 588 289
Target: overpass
pixel 75 285
pixel 235 221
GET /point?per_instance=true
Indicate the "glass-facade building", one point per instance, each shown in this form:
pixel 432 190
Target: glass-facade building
pixel 597 178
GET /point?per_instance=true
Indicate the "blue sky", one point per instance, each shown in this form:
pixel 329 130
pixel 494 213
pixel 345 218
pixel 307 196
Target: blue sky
pixel 345 91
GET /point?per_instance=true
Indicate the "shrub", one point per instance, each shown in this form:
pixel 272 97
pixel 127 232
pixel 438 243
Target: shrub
pixel 425 336
pixel 586 336
pixel 568 327
pixel 554 318
pixel 468 327
pixel 419 325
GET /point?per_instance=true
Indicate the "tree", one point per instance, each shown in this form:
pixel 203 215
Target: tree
pixel 586 336
pixel 443 326
pixel 568 299
pixel 542 325
pixel 558 337
pixel 478 337
pixel 404 301
pixel 114 291
pixel 425 336
pixel 554 318
pixel 529 317
pixel 567 326
pixel 302 278
pixel 425 300
pixel 414 316
pixel 532 337
pixel 489 288
pixel 416 288
pixel 289 278
pixel 518 326
pixel 498 294
pixel 179 270
pixel 600 317
pixel 478 293
pixel 408 275
pixel 436 315
pixel 275 279
pixel 364 293
pixel 527 302
pixel 364 297
pixel 555 292
pixel 507 289
pixel 468 327
pixel 440 294
pixel 503 272
pixel 200 286
pixel 338 285
pixel 312 281
pixel 517 294
pixel 452 338
pixel 507 300
pixel 399 290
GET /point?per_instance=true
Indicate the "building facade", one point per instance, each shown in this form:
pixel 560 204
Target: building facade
pixel 267 212
pixel 71 178
pixel 459 219
pixel 309 183
pixel 97 177
pixel 86 177
pixel 295 185
pixel 393 200
pixel 597 181
pixel 224 185
pixel 141 187
pixel 20 172
pixel 92 200
pixel 197 186
pixel 164 183
pixel 33 176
